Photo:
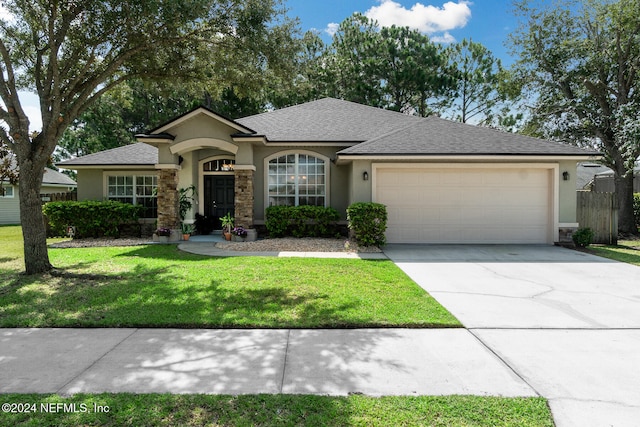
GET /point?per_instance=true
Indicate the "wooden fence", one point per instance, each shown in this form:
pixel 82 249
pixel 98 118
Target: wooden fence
pixel 58 197
pixel 599 212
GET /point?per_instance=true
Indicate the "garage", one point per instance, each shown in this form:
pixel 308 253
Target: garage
pixel 475 204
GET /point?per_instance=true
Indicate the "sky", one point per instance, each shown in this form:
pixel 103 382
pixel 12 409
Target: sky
pixel 485 21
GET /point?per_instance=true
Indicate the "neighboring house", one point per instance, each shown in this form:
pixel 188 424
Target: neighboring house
pixel 586 172
pixel 442 181
pixel 52 182
pixel 598 178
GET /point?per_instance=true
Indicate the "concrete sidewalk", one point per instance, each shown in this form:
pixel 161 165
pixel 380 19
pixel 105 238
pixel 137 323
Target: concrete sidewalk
pixel 224 361
pixel 208 249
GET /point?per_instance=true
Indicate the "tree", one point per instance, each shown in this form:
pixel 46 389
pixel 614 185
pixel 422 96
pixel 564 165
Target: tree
pixel 483 91
pixel 390 67
pixel 580 62
pixel 71 52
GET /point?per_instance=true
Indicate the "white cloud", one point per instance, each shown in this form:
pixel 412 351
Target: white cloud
pixel 332 28
pixel 426 19
pixel 5 15
pixel 445 38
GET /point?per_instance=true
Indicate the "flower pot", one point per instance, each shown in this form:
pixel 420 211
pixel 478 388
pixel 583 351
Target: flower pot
pixel 163 239
pixel 227 236
pixel 186 236
pixel 238 238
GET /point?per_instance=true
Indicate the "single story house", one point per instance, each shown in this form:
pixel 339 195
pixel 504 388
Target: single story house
pixel 442 181
pixel 52 182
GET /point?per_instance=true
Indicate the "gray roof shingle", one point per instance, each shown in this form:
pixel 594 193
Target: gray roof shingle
pixel 133 154
pixel 436 136
pixel 327 119
pixel 52 177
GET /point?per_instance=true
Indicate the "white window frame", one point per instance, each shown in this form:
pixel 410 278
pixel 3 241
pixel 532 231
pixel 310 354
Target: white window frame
pixel 297 153
pixel 3 192
pixel 134 175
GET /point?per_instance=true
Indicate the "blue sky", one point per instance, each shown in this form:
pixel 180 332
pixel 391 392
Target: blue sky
pixel 486 22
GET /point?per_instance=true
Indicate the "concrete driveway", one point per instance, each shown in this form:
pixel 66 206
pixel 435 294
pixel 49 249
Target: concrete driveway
pixel 566 322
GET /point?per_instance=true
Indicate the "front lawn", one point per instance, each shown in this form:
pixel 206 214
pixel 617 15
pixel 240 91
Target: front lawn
pixel 280 410
pixel 160 286
pixel 625 251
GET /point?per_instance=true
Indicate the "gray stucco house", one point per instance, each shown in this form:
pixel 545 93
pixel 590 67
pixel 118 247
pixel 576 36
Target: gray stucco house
pixel 52 182
pixel 442 181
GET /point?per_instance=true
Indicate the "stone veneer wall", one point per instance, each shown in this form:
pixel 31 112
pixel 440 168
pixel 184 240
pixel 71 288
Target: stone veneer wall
pixel 244 197
pixel 168 199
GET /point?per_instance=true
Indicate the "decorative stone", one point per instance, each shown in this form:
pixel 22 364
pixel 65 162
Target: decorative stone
pixel 244 197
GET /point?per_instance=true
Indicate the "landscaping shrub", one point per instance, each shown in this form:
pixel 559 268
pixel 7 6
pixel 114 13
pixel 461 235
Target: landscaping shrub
pixel 90 218
pixel 636 208
pixel 368 222
pixel 301 221
pixel 582 237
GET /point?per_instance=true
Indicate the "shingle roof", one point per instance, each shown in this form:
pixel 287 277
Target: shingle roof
pixel 133 154
pixel 327 119
pixel 436 136
pixel 52 177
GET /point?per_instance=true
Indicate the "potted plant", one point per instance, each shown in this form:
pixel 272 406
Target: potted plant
pixel 187 229
pixel 163 234
pixel 227 224
pixel 239 234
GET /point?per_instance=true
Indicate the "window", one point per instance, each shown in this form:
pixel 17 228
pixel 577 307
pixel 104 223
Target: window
pixel 137 190
pixel 297 179
pixel 6 191
pixel 220 165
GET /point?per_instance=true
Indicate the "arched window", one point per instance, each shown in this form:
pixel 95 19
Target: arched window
pixel 297 179
pixel 219 165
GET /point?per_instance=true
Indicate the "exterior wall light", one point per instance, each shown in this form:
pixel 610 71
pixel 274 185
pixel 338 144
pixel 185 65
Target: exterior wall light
pixel 565 176
pixel 365 176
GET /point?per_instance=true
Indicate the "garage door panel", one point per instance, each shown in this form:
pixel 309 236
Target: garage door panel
pixel 466 205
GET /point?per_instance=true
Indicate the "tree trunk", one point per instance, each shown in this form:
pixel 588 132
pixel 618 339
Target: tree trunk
pixel 36 257
pixel 624 194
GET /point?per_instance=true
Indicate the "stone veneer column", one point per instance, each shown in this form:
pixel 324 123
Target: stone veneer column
pixel 168 215
pixel 244 195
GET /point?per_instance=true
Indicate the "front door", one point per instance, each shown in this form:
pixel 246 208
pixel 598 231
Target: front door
pixel 219 197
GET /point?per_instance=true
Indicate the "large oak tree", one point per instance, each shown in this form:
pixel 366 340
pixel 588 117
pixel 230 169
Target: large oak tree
pixel 580 62
pixel 71 52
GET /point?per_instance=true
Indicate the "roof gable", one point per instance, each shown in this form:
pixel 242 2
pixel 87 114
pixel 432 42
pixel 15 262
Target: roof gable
pixel 198 111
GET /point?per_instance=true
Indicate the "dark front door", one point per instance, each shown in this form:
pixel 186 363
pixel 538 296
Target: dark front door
pixel 219 197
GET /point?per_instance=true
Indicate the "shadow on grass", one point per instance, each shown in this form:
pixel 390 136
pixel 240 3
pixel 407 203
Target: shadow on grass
pixel 158 297
pixel 285 410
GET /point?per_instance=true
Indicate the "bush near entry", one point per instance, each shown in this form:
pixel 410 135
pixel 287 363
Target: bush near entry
pixel 301 221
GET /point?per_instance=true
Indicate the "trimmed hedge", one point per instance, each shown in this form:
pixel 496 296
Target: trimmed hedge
pixel 636 208
pixel 301 221
pixel 90 218
pixel 368 222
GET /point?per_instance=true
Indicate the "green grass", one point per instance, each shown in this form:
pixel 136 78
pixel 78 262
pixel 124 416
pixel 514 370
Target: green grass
pixel 625 251
pixel 160 286
pixel 281 410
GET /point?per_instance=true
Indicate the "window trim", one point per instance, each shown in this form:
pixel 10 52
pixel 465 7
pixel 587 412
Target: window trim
pixel 327 173
pixel 134 175
pixel 6 187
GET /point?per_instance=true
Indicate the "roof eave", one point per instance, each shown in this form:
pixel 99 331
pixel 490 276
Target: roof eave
pixel 346 158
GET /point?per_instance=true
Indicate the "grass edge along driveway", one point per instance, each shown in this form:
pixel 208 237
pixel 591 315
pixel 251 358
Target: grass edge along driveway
pixel 160 286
